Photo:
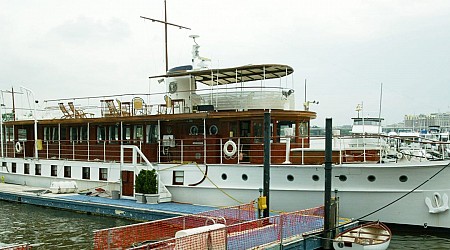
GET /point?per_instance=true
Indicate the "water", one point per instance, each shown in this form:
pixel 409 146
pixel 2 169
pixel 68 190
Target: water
pixel 419 240
pixel 48 228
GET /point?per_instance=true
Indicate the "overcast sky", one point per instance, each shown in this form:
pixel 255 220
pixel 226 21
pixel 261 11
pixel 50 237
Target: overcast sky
pixel 345 49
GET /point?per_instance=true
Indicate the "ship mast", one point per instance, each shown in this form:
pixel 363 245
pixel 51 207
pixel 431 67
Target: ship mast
pixel 165 30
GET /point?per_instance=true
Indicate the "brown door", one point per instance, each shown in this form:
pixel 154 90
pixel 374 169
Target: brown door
pixel 127 183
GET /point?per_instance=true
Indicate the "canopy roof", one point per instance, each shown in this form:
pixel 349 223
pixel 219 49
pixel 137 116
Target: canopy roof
pixel 235 75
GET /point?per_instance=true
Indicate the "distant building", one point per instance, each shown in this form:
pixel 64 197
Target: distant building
pixel 421 122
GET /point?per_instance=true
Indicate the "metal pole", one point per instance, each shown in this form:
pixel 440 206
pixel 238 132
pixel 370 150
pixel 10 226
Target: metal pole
pixel 165 35
pixel 35 124
pixel 328 174
pixel 1 128
pixel 266 178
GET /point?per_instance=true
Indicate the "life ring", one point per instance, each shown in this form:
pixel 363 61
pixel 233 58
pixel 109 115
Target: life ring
pixel 18 147
pixel 399 155
pixel 233 148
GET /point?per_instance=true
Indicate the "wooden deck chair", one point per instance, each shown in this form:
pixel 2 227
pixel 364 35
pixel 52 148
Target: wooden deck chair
pixel 77 112
pixel 111 108
pixel 66 113
pixel 124 108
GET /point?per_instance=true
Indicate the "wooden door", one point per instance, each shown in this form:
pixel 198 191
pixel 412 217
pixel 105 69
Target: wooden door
pixel 127 183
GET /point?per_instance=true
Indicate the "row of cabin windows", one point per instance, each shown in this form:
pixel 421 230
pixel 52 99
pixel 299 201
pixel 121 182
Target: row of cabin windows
pixel 104 133
pixel 86 171
pixel 136 132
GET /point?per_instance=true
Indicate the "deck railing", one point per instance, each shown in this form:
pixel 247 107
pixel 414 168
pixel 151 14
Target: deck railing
pixel 232 150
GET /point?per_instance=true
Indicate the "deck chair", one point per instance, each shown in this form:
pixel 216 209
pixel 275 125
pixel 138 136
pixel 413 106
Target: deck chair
pixel 66 113
pixel 111 108
pixel 124 108
pixel 139 106
pixel 77 112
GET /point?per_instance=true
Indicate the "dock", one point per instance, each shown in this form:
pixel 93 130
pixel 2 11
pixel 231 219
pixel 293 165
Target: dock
pixel 121 208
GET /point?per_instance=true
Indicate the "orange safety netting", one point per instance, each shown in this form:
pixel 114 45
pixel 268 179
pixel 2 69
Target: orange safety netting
pixel 250 234
pixel 16 247
pixel 153 231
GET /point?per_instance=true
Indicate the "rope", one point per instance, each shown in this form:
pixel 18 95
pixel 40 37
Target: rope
pixel 403 196
pixel 220 189
pixel 387 205
pixel 196 164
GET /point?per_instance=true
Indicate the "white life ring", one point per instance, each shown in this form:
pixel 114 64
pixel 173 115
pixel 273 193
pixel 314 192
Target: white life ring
pixel 233 148
pixel 18 147
pixel 399 155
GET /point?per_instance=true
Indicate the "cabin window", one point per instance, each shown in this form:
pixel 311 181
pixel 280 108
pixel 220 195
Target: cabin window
pixel 67 171
pixel 22 134
pixel 103 174
pixel 86 173
pixel 258 131
pixel 83 133
pixel 26 168
pixel 178 178
pixel 73 134
pixel 13 167
pixel 4 164
pixel 213 130
pixel 152 134
pixel 9 134
pixel 113 133
pixel 126 133
pixel 244 128
pixel 138 132
pixel 54 170
pixel 303 129
pixel 50 134
pixel 37 169
pixel 101 133
pixel 63 133
pixel 281 130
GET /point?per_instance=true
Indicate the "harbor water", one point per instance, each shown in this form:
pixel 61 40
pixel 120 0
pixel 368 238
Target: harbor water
pixel 47 228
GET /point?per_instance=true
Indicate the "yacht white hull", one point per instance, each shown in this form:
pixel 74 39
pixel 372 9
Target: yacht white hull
pixel 361 188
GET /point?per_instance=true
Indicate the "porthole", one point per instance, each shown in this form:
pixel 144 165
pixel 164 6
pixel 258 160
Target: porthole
pixel 213 130
pixel 342 177
pixel 371 178
pixel 193 130
pixel 315 177
pixel 403 178
pixel 224 177
pixel 244 177
pixel 290 177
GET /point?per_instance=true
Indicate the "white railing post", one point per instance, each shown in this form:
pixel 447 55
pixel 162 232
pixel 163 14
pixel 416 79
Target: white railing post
pixel 303 151
pixel 182 152
pixel 220 151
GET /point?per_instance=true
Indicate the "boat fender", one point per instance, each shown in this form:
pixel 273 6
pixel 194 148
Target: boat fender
pixel 18 147
pixel 233 148
pixel 440 203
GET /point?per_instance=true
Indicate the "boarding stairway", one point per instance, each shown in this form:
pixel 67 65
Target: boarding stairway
pixel 164 193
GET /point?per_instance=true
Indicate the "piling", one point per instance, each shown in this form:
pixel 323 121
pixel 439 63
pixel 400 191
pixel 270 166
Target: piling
pixel 328 220
pixel 266 176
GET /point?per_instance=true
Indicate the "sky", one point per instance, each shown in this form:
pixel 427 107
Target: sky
pixel 346 50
